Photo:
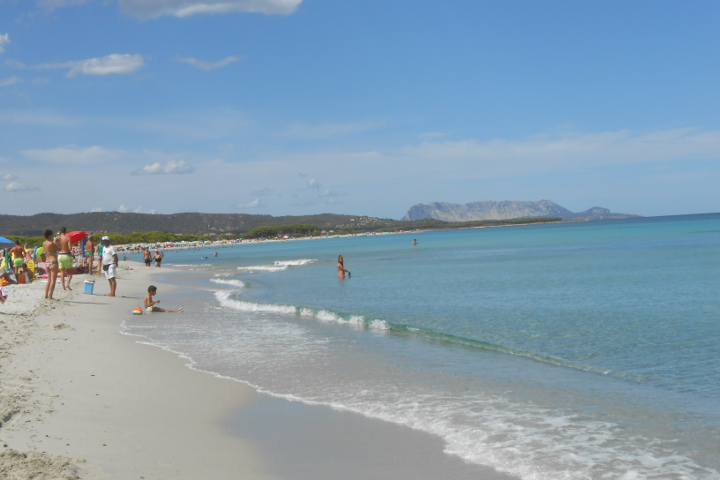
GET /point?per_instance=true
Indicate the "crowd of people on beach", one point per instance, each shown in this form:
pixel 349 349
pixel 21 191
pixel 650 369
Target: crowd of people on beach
pixel 58 258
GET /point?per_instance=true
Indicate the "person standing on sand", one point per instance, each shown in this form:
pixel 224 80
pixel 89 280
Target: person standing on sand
pixel 341 269
pixel 110 262
pixel 17 254
pixel 99 255
pixel 149 302
pixel 51 263
pixel 89 248
pixel 65 259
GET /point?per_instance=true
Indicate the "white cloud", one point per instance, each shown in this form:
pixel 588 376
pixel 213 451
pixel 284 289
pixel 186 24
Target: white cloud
pixel 9 177
pixel 184 8
pixel 171 167
pixel 4 40
pixel 121 64
pixel 116 63
pixel 138 209
pixel 257 203
pixel 314 184
pixel 123 209
pixel 96 210
pixel 208 65
pixel 9 81
pixel 15 187
pixel 72 155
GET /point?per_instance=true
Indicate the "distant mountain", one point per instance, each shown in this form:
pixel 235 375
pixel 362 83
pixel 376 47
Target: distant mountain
pixel 489 210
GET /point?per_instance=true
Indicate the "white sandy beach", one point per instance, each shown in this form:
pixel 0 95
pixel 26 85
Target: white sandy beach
pixel 79 399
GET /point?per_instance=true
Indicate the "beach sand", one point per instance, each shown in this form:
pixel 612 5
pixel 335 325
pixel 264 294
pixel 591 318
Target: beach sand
pixel 78 399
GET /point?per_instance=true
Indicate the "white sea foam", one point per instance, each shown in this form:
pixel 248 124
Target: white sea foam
pixel 295 263
pixel 320 315
pixel 231 282
pixel 278 266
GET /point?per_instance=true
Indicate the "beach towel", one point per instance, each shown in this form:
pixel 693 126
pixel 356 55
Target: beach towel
pixel 3 295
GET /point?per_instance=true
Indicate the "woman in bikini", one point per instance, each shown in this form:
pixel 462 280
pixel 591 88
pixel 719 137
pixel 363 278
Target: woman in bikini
pixel 341 269
pixel 51 263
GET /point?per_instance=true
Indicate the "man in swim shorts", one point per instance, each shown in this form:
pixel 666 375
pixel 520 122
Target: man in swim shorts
pixel 110 262
pixel 65 259
pixel 89 246
pixel 17 255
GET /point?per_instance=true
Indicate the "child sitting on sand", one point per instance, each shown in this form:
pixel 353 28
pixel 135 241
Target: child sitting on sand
pixel 149 302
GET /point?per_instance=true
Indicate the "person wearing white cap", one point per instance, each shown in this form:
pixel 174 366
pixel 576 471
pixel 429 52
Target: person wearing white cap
pixel 109 262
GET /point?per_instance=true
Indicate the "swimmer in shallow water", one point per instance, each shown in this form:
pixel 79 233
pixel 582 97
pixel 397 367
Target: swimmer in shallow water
pixel 150 303
pixel 341 269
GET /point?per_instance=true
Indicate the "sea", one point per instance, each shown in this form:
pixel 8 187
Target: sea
pixel 586 350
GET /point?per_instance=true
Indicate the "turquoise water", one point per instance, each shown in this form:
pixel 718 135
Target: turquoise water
pixel 583 350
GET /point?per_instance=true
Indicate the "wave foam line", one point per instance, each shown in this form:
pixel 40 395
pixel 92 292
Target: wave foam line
pixel 231 282
pixel 360 321
pixel 277 266
pixel 317 314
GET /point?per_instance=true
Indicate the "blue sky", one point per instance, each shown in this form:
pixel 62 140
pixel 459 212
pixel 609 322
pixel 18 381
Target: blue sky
pixel 361 107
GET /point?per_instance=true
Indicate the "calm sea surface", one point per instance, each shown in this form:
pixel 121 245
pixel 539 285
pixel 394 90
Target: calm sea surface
pixel 563 351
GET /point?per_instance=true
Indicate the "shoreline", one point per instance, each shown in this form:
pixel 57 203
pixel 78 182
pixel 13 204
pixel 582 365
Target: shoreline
pixel 80 399
pixel 95 403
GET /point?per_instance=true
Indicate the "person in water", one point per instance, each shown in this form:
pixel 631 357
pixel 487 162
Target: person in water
pixel 341 268
pixel 149 302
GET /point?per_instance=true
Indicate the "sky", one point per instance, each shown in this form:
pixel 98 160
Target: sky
pixel 358 107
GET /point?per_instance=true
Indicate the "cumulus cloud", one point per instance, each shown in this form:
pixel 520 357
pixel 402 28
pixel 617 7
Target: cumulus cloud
pixel 147 9
pixel 116 63
pixel 9 81
pixel 72 155
pixel 15 187
pixel 314 184
pixel 171 167
pixel 96 210
pixel 8 177
pixel 207 66
pixel 123 209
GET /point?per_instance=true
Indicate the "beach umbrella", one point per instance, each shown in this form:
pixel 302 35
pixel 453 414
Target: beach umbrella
pixel 6 243
pixel 76 236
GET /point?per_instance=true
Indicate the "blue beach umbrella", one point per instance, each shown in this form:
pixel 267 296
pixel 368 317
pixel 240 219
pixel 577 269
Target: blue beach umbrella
pixel 5 243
